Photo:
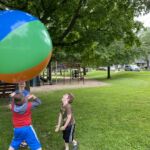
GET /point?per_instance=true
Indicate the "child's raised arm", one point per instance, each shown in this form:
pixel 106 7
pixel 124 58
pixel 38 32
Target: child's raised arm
pixel 35 100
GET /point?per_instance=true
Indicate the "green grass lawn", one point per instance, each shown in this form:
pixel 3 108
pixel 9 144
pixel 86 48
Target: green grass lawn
pixel 114 117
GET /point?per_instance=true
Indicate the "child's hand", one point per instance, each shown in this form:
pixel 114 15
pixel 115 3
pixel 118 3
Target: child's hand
pixel 31 96
pixel 9 106
pixel 57 128
pixel 62 128
pixel 12 94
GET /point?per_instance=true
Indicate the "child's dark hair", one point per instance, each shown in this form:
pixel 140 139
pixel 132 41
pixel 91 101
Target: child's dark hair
pixel 70 97
pixel 18 99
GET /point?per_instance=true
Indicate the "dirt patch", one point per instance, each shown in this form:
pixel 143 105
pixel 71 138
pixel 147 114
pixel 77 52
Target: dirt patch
pixel 69 85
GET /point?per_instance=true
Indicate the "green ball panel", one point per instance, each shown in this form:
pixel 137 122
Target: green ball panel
pixel 24 48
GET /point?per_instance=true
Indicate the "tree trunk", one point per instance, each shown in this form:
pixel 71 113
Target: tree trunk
pixel 61 72
pixel 49 72
pixel 84 71
pixel 108 72
pixel 147 61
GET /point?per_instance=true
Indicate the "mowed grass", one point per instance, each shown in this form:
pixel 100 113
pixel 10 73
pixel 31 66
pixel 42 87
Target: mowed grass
pixel 114 117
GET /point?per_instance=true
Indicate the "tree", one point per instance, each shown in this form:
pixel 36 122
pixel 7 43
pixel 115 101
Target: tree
pixel 145 45
pixel 84 21
pixel 116 53
pixel 79 26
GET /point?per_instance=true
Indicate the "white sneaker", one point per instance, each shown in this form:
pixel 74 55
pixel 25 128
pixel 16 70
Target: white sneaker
pixel 75 147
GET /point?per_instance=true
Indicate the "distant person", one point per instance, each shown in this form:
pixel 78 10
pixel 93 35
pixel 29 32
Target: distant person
pixel 21 89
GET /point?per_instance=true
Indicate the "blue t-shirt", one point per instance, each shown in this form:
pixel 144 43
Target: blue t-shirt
pixel 24 92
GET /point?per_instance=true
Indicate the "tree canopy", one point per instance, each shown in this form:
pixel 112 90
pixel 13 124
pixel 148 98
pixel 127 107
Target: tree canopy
pixel 80 27
pixel 145 45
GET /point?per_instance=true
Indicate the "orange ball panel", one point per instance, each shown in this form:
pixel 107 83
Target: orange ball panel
pixel 27 74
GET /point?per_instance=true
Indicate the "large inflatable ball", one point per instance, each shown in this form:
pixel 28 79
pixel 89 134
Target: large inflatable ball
pixel 25 46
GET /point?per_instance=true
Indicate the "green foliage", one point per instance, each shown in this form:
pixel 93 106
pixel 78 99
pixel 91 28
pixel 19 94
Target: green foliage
pixel 114 54
pixel 145 43
pixel 77 26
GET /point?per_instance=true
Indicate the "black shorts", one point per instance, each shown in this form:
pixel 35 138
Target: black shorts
pixel 68 133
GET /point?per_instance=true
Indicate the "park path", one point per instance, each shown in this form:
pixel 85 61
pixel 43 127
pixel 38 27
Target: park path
pixel 67 85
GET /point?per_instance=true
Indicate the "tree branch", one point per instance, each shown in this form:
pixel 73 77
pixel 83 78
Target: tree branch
pixel 43 5
pixel 46 13
pixel 64 1
pixel 7 5
pixel 3 6
pixel 47 10
pixel 72 22
pixel 67 43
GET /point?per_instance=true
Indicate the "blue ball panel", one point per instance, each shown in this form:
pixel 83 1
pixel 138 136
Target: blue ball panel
pixel 12 19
